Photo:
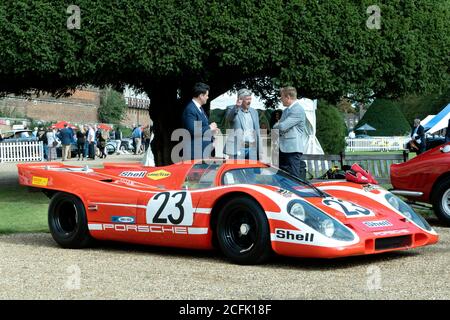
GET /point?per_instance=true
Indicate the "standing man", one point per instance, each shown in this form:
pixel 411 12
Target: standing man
pixel 418 137
pixel 292 134
pixel 66 137
pixel 196 122
pixel 91 142
pixel 244 142
pixel 137 139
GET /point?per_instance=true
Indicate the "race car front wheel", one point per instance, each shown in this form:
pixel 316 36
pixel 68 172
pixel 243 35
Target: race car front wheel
pixel 243 232
pixel 67 221
pixel 441 201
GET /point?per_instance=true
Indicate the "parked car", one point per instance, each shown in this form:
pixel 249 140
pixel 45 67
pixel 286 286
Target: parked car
pixel 15 136
pixel 433 141
pixel 426 178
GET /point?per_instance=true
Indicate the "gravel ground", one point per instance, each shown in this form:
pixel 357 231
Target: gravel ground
pixel 32 266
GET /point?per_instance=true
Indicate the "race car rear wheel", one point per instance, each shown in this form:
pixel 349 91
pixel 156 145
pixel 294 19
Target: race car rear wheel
pixel 441 201
pixel 67 221
pixel 243 232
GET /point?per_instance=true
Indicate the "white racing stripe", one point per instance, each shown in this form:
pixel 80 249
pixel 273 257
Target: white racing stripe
pixel 95 226
pixel 120 205
pixel 198 210
pixel 197 230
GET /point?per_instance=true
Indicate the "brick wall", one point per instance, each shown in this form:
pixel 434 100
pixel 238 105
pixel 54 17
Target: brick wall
pixel 81 107
pixel 136 116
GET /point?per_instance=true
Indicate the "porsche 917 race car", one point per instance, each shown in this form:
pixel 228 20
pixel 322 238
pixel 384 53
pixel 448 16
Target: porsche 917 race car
pixel 248 210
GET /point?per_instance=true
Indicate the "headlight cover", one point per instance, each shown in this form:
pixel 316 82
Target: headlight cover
pixel 319 221
pixel 407 211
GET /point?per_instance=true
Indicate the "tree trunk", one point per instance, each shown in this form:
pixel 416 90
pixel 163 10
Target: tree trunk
pixel 165 111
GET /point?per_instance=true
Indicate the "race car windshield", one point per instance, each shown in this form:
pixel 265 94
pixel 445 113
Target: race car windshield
pixel 201 175
pixel 272 177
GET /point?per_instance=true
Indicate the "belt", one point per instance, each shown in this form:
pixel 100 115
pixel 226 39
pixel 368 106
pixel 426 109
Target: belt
pixel 249 144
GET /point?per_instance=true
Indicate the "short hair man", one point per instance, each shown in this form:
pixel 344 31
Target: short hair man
pixel 292 134
pixel 196 122
pixel 418 137
pixel 244 141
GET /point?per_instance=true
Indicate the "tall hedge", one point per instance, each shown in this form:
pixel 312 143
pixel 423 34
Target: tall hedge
pixel 386 117
pixel 331 129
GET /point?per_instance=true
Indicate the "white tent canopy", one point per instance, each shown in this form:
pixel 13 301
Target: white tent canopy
pixel 438 122
pixel 427 119
pixel 310 106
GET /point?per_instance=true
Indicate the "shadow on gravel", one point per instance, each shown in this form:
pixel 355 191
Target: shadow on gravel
pixel 211 256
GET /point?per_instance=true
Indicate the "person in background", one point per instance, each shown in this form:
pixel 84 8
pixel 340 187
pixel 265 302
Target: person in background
pixel 146 135
pixel 52 143
pixel 275 117
pixel 118 138
pixel 91 142
pixel 66 137
pixel 352 134
pixel 447 132
pixel 24 134
pixel 418 142
pixel 42 136
pixel 35 132
pixel 195 120
pixel 292 134
pixel 81 140
pixel 244 142
pixel 137 139
pixel 102 136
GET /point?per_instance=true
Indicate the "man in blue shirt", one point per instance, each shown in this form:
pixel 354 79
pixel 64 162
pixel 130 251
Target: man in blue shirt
pixel 137 139
pixel 66 137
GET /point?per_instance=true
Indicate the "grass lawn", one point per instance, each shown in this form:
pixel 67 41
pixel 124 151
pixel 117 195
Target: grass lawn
pixel 22 210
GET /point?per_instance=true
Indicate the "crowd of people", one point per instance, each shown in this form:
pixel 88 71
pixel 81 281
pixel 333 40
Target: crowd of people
pixel 86 138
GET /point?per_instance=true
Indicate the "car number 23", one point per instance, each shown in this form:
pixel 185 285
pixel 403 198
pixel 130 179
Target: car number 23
pixel 350 210
pixel 170 207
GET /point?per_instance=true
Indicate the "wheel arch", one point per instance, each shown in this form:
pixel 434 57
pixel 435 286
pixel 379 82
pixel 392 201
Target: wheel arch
pixel 442 177
pixel 220 202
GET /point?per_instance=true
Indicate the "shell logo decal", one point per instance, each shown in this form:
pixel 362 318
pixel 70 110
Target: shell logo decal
pixel 158 175
pixel 39 181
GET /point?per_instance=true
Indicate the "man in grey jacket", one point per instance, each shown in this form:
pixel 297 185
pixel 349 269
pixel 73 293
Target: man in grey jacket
pixel 292 134
pixel 243 142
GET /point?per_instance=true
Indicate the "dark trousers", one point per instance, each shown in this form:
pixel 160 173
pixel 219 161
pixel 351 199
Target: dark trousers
pixel 92 150
pixel 80 147
pixel 292 162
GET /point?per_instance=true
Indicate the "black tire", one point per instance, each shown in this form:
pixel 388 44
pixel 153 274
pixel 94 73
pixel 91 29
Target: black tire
pixel 67 221
pixel 110 149
pixel 441 201
pixel 240 215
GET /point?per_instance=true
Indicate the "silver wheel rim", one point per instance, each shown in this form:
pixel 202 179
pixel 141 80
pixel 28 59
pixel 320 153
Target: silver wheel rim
pixel 446 202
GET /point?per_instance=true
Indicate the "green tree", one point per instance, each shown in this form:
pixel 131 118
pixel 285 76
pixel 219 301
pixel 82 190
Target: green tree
pixel 323 48
pixel 331 129
pixel 112 106
pixel 419 106
pixel 385 116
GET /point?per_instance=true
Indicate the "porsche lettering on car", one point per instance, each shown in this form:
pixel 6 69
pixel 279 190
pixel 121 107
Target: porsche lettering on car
pixel 248 210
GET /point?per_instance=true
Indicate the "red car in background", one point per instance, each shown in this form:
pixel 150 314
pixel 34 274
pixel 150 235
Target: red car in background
pixel 426 178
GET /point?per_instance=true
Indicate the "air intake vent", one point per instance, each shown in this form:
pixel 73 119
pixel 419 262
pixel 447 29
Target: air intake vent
pixel 393 243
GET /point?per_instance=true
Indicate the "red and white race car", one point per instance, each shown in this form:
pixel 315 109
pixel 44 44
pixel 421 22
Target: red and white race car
pixel 248 210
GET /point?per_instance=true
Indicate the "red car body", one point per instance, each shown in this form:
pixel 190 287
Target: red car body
pixel 187 205
pixel 424 177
